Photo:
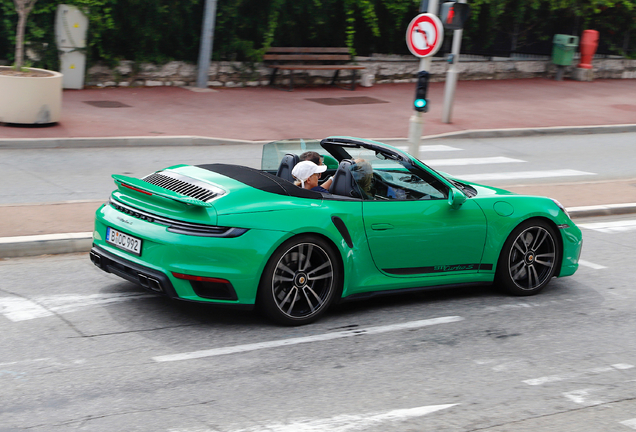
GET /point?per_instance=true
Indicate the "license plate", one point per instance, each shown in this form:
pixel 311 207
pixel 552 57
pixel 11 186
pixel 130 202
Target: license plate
pixel 123 241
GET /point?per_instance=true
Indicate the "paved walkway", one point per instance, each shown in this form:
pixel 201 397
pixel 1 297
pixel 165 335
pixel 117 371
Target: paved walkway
pixel 381 111
pixel 117 117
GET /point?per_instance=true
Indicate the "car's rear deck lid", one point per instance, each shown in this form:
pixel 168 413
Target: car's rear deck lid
pixel 172 186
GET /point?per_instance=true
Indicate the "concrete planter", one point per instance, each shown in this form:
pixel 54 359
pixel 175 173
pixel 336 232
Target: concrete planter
pixel 31 100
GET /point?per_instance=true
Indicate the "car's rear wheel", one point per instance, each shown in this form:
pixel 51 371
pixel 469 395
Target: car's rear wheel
pixel 529 258
pixel 299 281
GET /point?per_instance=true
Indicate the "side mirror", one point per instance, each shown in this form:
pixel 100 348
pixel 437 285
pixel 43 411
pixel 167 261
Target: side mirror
pixel 456 198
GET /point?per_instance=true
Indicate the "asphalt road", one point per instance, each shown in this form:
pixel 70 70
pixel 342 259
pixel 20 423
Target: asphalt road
pixel 56 175
pixel 86 351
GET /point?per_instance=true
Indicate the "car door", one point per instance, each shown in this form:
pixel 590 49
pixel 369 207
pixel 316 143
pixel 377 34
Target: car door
pixel 414 231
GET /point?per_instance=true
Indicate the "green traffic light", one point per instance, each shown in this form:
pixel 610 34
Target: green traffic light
pixel 420 103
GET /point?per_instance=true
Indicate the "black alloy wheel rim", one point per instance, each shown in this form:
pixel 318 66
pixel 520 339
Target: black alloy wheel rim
pixel 532 258
pixel 302 280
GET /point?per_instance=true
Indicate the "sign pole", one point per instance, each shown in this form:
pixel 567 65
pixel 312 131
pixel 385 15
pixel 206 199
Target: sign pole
pixel 207 39
pixel 451 75
pixel 416 122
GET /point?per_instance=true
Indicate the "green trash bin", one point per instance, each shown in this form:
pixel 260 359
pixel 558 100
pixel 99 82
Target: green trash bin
pixel 563 49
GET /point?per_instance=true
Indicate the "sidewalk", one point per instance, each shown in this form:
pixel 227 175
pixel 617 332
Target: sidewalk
pixel 176 116
pixel 381 111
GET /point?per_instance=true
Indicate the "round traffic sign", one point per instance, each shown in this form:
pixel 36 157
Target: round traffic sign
pixel 424 35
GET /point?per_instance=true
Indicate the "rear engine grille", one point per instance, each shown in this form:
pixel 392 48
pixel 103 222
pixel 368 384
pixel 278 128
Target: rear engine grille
pixel 179 227
pixel 184 185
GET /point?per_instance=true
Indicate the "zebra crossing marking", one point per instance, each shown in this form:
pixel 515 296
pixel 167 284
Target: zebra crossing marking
pixel 472 161
pixel 518 175
pixel 611 227
pixel 431 148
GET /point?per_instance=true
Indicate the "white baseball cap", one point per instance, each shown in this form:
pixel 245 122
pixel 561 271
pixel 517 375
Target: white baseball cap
pixel 305 169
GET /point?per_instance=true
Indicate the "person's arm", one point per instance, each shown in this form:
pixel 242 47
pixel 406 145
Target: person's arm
pixel 327 183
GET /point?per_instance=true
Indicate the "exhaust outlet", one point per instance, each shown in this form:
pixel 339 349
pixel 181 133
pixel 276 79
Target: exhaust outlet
pixel 96 259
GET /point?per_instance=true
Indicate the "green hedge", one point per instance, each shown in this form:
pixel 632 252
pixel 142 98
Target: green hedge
pixel 163 30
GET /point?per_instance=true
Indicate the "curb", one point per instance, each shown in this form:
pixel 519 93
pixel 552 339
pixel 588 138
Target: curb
pixel 138 141
pixel 25 246
pixel 602 210
pixel 156 141
pixel 52 244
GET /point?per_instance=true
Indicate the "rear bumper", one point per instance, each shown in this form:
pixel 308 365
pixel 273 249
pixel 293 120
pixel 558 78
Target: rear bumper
pixel 148 278
pixel 230 267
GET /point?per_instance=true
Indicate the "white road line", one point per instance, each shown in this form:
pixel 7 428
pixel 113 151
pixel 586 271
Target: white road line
pixel 345 422
pixel 471 161
pixel 611 227
pixel 595 371
pixel 522 175
pixel 630 423
pixel 581 397
pixel 307 339
pixel 25 361
pixel 21 309
pixel 591 265
pixel 431 148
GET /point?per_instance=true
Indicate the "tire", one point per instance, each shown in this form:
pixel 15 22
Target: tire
pixel 299 281
pixel 529 258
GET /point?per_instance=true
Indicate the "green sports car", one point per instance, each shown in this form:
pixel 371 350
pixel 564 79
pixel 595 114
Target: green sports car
pixel 242 237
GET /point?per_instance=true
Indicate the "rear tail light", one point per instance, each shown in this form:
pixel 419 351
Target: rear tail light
pixel 209 287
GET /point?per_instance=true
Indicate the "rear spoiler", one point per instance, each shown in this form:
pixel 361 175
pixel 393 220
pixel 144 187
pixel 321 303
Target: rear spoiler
pixel 150 189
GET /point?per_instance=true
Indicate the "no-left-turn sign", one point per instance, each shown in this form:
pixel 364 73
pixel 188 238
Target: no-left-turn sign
pixel 424 35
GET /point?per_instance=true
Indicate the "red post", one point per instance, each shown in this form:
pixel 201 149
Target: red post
pixel 589 43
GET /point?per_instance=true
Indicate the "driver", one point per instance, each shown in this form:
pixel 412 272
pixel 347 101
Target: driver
pixel 318 160
pixel 307 175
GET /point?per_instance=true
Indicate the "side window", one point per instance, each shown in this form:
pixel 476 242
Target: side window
pixel 381 178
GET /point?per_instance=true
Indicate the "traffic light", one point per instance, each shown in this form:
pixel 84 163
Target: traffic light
pixel 454 15
pixel 421 103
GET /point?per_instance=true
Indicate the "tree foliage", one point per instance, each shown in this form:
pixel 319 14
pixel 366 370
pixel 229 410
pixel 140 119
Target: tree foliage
pixel 162 30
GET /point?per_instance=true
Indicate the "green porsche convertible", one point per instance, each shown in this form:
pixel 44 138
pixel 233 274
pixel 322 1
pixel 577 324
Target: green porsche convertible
pixel 238 236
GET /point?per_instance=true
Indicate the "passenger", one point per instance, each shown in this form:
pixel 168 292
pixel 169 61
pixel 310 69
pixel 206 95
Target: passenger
pixel 363 175
pixel 311 156
pixel 307 175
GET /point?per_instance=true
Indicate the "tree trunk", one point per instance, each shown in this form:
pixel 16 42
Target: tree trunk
pixel 19 40
pixel 23 8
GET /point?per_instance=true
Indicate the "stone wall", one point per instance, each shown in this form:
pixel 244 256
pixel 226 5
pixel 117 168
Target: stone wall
pixel 379 69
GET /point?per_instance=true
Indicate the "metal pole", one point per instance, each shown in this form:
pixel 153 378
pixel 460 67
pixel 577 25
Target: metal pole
pixel 451 75
pixel 416 122
pixel 207 41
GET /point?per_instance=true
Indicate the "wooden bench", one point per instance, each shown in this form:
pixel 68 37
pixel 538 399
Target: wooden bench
pixel 304 58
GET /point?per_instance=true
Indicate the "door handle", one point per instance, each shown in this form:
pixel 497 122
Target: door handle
pixel 381 227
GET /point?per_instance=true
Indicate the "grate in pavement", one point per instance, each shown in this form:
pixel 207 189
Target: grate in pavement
pixel 107 104
pixel 354 100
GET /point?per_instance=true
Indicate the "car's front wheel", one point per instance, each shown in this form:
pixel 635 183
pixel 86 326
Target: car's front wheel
pixel 529 258
pixel 299 281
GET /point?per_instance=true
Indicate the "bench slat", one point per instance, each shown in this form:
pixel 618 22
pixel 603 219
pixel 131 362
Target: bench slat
pixel 307 57
pixel 317 67
pixel 308 50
